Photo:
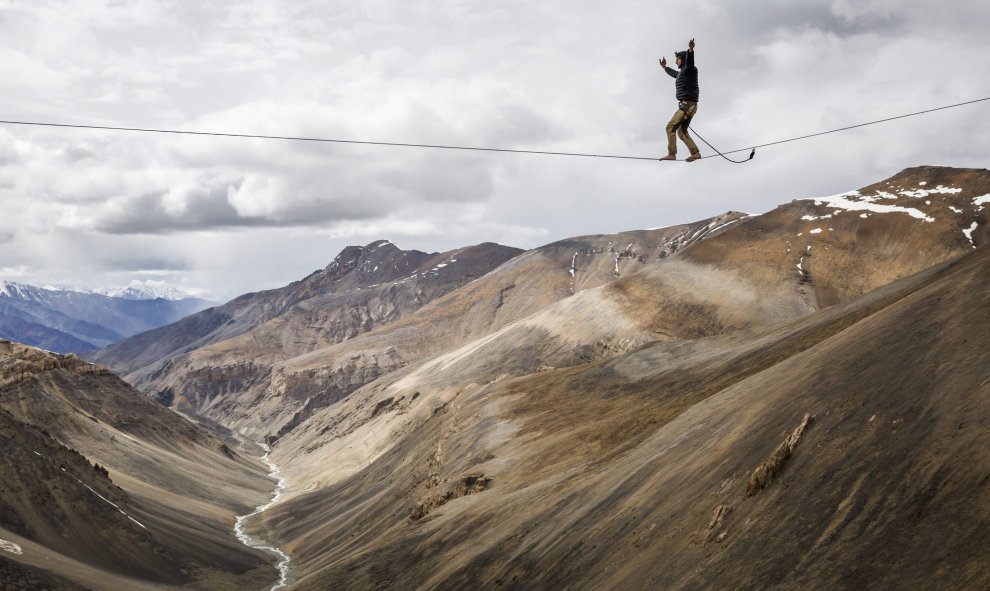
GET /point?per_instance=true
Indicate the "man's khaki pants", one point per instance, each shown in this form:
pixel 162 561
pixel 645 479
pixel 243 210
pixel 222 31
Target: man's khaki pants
pixel 678 127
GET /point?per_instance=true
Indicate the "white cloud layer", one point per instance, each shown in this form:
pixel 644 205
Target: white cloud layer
pixel 223 215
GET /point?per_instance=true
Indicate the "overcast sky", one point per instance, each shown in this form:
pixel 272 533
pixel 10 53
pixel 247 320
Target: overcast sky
pixel 223 216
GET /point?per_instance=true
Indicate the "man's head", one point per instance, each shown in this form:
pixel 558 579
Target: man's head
pixel 680 56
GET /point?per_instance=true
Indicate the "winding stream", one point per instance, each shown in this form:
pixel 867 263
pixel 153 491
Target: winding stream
pixel 253 542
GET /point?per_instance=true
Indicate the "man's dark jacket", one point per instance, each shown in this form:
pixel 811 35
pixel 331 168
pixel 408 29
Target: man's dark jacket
pixel 687 79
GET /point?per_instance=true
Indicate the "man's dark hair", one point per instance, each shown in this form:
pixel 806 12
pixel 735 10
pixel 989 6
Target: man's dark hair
pixel 681 55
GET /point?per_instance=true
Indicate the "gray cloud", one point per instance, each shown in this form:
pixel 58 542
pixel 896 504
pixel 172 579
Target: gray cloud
pixel 179 209
pixel 148 264
pixel 8 149
pixel 579 76
pixel 77 152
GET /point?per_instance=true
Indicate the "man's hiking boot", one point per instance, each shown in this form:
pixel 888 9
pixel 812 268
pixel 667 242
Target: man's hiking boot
pixel 693 157
pixel 669 157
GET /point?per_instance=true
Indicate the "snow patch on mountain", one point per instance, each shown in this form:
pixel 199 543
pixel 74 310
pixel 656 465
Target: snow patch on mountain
pixel 725 225
pixel 853 201
pixel 106 500
pixel 922 193
pixel 969 233
pixel 10 547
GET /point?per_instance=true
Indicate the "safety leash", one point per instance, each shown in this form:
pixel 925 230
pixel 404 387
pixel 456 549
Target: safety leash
pixel 751 153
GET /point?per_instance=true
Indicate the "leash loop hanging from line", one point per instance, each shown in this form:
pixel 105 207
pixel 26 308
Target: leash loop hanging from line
pixel 751 153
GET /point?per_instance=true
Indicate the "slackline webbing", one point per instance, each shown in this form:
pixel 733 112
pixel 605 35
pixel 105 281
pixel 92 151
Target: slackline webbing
pixel 479 149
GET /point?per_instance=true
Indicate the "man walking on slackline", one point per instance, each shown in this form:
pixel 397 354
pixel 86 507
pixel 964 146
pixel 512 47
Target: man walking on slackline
pixel 687 102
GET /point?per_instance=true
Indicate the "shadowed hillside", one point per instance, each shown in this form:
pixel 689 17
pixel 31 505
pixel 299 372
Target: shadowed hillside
pixel 108 489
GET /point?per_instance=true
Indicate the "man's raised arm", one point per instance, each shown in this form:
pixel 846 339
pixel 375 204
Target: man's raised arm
pixel 671 71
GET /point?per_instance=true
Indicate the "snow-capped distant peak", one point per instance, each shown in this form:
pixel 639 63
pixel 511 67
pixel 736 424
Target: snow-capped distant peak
pixel 134 291
pixel 20 291
pixel 145 292
pixel 8 289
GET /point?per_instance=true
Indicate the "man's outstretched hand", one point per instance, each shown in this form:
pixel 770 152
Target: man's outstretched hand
pixel 691 44
pixel 663 62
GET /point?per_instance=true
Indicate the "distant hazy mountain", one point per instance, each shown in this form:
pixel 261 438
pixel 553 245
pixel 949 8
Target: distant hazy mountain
pixel 67 321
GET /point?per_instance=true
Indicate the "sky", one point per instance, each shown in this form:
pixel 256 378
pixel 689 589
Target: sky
pixel 219 217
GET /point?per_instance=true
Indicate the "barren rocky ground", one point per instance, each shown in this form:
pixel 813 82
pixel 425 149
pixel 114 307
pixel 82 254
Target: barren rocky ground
pixel 789 400
pixel 110 490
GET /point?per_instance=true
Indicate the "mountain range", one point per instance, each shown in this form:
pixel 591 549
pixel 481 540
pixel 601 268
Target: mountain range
pixel 69 321
pixel 795 399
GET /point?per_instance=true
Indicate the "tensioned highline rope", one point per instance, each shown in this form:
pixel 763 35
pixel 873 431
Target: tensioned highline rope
pixel 477 149
pixel 811 135
pixel 316 139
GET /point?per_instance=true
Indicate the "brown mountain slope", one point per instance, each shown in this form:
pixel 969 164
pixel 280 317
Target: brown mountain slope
pixel 196 363
pixel 53 495
pixel 702 279
pixel 749 271
pixel 308 358
pixel 846 448
pixel 158 509
pixel 844 246
pixel 744 276
pixel 334 303
pixel 604 413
